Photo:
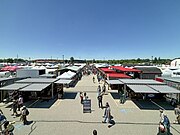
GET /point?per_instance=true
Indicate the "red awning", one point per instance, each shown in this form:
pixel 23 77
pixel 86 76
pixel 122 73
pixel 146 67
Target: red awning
pixel 125 69
pixel 107 70
pixel 10 68
pixel 159 79
pixel 5 68
pixel 117 75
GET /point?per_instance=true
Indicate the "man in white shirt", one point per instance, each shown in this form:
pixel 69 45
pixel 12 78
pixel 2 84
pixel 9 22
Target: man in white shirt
pixel 20 102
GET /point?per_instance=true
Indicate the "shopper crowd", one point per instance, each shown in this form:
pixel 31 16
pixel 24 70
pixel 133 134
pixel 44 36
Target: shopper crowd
pixel 18 110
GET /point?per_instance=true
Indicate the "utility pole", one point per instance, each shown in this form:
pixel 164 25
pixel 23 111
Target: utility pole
pixel 63 60
pixel 29 61
pixel 17 59
pixel 151 60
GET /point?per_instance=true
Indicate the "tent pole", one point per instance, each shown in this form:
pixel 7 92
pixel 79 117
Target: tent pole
pixel 52 90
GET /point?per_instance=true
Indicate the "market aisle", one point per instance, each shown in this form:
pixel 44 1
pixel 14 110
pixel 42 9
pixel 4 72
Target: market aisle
pixel 66 116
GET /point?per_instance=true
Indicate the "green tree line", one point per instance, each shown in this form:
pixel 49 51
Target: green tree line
pixel 11 60
pixel 133 61
pixel 122 61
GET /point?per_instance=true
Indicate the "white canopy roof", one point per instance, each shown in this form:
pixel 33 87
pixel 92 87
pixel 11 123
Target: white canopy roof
pixel 67 75
pixel 35 87
pixel 114 82
pixel 74 68
pixel 153 89
pixel 164 89
pixel 15 86
pixel 64 81
pixel 142 89
pixel 37 80
pixel 141 81
pixel 47 75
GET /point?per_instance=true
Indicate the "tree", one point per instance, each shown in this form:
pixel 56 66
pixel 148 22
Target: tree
pixel 138 60
pixel 65 61
pixel 9 60
pixel 155 60
pixel 72 60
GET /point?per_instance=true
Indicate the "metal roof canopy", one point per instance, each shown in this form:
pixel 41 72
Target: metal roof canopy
pixel 173 79
pixel 142 89
pixel 35 87
pixel 141 81
pixel 37 80
pixel 47 75
pixel 15 86
pixel 64 81
pixel 164 89
pixel 114 82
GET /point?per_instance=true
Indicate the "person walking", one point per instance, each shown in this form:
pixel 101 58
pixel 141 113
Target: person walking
pixel 93 79
pixel 81 97
pixel 8 128
pixel 85 96
pixel 94 132
pixel 164 124
pixel 177 113
pixel 104 88
pixel 99 90
pixel 107 114
pixel 161 115
pixel 100 100
pixel 14 108
pixel 24 113
pixel 98 79
pixel 2 120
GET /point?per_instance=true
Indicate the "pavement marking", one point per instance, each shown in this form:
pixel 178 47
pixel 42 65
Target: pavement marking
pixel 175 129
pixel 157 105
pixel 116 103
pixel 114 100
pixel 57 103
pixel 32 129
pixel 139 105
pixel 33 103
pixel 19 126
pixel 123 111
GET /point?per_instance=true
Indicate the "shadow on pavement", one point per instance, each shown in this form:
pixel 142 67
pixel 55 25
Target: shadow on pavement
pixel 149 105
pixel 42 103
pixel 9 106
pixel 29 122
pixel 115 95
pixel 112 123
pixel 69 95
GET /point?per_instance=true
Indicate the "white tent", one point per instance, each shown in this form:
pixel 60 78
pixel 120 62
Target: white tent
pixel 67 75
pixel 73 68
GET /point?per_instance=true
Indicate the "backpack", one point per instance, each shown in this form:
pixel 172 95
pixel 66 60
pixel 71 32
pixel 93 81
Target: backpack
pixel 2 119
pixel 27 112
pixel 166 121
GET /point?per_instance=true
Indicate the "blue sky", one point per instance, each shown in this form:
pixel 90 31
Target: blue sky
pixel 90 29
